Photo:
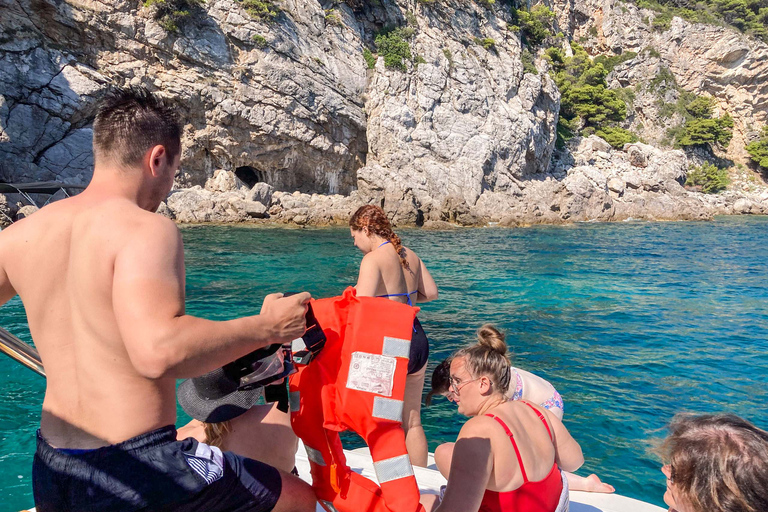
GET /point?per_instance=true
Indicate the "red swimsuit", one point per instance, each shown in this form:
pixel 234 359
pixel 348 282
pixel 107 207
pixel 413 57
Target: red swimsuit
pixel 541 496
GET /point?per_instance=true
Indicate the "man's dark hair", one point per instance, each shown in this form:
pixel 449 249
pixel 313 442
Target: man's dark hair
pixel 131 121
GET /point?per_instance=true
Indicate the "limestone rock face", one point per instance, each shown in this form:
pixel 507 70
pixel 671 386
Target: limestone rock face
pixel 290 112
pixel 262 193
pixel 464 122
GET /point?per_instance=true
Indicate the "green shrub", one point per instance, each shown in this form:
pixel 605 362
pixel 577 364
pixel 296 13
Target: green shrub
pixel 536 24
pixel 370 60
pixel 419 60
pixel 758 150
pixel 485 42
pixel 170 14
pixel 662 22
pixel 411 19
pixel 263 10
pixel 701 107
pixel 664 79
pixel 616 136
pixel 709 177
pixel 394 48
pixel 698 132
pixel 332 17
pixel 259 41
pixel 555 56
pixel 487 3
pixel 748 16
pixel 528 64
pixel 652 52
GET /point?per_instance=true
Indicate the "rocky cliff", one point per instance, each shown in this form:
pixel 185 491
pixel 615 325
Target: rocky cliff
pixel 284 119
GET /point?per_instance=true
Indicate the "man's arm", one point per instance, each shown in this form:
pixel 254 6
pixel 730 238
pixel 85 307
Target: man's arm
pixel 6 289
pixel 161 340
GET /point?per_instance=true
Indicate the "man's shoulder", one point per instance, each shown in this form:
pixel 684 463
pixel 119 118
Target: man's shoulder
pixel 151 226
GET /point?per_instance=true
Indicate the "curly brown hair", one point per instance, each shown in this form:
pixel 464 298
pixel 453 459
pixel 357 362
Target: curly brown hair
pixel 718 462
pixel 374 219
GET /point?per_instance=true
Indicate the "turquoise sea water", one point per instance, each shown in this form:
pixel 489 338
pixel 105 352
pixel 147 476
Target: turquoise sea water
pixel 631 322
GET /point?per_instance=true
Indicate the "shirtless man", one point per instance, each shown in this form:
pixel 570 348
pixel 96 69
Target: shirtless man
pixel 102 279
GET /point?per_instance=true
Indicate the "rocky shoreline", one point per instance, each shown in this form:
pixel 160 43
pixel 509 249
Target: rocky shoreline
pixel 593 183
pixel 589 182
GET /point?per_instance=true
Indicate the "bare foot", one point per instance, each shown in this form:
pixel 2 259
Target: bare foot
pixel 592 483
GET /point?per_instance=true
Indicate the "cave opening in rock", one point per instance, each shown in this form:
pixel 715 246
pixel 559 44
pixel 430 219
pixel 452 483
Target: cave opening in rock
pixel 250 175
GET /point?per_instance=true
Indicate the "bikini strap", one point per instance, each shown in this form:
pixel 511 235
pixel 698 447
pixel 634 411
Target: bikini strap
pixel 514 445
pixel 543 420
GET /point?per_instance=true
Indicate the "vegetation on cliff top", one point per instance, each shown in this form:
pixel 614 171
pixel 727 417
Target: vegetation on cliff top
pixel 748 16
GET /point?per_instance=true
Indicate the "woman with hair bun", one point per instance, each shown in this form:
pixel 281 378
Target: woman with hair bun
pixel 523 385
pixel 389 269
pixel 715 463
pixel 509 455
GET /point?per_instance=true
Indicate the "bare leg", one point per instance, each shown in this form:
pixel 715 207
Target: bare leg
pixel 415 439
pixel 591 483
pixel 264 433
pixel 443 456
pixel 430 501
pixel 295 496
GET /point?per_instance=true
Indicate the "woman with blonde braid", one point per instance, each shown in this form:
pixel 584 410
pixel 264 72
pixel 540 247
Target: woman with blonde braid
pixel 391 270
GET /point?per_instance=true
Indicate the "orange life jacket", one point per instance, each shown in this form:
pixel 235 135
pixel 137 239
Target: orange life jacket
pixel 357 383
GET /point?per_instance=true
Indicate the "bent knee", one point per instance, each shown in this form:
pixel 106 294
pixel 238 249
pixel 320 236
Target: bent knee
pixel 295 495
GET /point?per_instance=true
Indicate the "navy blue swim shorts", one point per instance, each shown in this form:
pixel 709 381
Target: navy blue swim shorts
pixel 151 472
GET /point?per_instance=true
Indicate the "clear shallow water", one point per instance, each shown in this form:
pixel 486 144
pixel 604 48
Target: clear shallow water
pixel 631 323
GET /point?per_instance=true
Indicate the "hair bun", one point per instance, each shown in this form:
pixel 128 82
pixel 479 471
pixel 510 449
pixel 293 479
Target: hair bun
pixel 489 336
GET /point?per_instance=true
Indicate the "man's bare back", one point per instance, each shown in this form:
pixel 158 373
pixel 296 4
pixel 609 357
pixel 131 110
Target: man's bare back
pixel 61 263
pixel 102 280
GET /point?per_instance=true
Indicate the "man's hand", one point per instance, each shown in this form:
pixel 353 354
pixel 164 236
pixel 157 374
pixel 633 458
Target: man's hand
pixel 286 315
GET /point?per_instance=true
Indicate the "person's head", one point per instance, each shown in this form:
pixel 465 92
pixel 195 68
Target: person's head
pixel 441 382
pixel 369 226
pixel 480 372
pixel 135 132
pixel 715 463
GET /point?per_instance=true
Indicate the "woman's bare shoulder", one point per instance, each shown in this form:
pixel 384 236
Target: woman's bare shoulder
pixel 476 426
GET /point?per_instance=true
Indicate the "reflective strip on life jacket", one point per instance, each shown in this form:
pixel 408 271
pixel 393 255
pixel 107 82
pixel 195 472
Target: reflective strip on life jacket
pixel 314 455
pixel 396 347
pixel 387 408
pixel 393 469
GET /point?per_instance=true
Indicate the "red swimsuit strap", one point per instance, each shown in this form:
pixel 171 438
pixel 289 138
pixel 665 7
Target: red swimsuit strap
pixel 514 444
pixel 543 420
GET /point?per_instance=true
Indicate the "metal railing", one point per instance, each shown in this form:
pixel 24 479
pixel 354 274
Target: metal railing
pixel 21 352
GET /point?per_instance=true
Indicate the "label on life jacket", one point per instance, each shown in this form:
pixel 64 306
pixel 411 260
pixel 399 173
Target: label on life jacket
pixel 372 373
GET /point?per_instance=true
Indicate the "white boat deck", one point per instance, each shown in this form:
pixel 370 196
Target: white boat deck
pixel 430 480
